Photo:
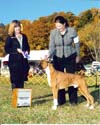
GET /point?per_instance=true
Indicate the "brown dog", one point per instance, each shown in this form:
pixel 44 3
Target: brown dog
pixel 59 80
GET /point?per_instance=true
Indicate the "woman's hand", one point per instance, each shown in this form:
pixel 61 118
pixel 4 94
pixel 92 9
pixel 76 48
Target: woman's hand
pixel 19 51
pixel 77 59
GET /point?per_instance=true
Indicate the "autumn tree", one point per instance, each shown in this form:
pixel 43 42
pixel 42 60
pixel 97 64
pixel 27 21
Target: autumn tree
pixel 3 36
pixel 90 39
pixel 40 34
pixel 85 18
pixel 38 31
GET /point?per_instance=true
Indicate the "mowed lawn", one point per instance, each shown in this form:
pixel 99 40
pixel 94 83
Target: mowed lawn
pixel 40 112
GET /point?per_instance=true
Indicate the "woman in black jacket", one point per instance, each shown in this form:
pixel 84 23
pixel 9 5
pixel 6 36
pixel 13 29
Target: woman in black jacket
pixel 18 48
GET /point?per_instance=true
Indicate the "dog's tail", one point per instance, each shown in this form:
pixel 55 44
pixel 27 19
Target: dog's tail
pixel 81 72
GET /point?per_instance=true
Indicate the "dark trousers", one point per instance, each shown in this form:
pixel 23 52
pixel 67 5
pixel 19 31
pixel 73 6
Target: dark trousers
pixel 19 84
pixel 69 64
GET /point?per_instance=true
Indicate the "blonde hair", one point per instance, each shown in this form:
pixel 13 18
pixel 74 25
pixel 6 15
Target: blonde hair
pixel 11 29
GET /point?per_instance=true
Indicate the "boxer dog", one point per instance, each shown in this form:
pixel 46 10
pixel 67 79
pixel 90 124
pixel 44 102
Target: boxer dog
pixel 59 80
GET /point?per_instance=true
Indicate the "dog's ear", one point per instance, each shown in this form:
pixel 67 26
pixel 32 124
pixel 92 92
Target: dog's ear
pixel 46 57
pixel 50 60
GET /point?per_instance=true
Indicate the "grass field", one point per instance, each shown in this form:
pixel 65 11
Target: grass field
pixel 40 112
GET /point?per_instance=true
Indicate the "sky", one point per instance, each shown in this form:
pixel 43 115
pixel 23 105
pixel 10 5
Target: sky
pixel 33 9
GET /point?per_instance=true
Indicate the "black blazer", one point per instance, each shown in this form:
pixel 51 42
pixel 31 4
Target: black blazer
pixel 12 44
pixel 18 65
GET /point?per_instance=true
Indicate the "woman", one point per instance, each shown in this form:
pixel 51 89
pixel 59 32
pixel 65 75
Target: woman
pixel 17 47
pixel 64 50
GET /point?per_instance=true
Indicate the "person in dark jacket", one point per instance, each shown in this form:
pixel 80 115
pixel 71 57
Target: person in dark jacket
pixel 18 48
pixel 64 49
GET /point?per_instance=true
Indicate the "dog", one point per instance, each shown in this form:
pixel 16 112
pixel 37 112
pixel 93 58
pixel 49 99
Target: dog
pixel 60 80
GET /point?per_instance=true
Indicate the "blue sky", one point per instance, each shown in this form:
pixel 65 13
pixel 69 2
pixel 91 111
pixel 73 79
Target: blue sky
pixel 33 9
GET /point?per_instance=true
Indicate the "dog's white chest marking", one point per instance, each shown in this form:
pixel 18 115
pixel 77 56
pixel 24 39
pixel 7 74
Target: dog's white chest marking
pixel 47 70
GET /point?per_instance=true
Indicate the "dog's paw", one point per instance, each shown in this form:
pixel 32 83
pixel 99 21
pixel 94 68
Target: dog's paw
pixel 54 107
pixel 91 107
pixel 87 105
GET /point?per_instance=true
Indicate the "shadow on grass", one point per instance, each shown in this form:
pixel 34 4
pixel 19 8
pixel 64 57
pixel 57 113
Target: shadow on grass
pixel 44 96
pixel 43 99
pixel 40 101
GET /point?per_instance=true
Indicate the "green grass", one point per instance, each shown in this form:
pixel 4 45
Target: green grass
pixel 41 112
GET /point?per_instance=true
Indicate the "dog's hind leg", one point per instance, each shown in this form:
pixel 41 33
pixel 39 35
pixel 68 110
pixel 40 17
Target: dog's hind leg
pixel 86 93
pixel 92 101
pixel 55 98
pixel 88 103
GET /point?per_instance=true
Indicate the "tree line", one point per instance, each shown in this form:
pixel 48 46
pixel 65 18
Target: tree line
pixel 87 24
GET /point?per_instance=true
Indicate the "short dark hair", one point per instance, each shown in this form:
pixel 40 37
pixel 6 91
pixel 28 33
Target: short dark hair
pixel 61 20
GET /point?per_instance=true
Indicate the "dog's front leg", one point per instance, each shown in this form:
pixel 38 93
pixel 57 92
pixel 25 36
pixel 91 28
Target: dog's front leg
pixel 55 99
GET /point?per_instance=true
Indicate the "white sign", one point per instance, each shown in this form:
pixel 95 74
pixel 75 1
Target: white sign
pixel 22 97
